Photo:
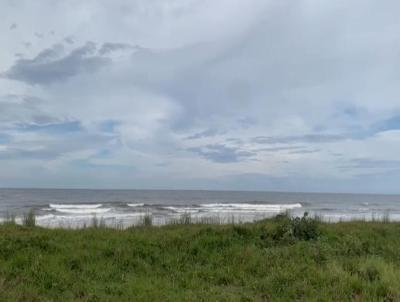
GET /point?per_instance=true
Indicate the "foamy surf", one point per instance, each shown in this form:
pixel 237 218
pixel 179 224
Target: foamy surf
pixel 75 206
pixel 251 207
pixel 134 205
pixel 83 210
pixel 183 210
pixel 67 220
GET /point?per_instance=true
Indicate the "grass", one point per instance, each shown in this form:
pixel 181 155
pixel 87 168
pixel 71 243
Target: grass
pixel 29 219
pixel 279 259
pixel 147 220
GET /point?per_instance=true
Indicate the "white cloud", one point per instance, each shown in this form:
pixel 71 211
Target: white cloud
pixel 281 90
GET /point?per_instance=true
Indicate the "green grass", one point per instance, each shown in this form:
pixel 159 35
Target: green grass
pixel 280 259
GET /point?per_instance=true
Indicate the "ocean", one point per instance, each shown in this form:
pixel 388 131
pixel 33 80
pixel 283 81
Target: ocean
pixel 76 208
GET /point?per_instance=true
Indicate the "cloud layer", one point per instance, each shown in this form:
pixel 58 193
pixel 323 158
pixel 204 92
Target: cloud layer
pixel 258 95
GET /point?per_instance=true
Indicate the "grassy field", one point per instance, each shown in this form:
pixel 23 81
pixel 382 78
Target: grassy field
pixel 279 259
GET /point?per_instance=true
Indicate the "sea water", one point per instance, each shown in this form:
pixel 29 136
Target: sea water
pixel 76 208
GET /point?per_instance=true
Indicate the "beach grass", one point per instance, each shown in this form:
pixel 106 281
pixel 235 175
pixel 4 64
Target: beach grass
pixel 279 259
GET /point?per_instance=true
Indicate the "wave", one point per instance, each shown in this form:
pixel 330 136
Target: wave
pixel 233 207
pixel 134 205
pixel 182 210
pixel 83 210
pixel 75 206
pixel 89 216
pixel 250 206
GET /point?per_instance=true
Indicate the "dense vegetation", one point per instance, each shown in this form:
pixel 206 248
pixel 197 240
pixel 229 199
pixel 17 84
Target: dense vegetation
pixel 280 259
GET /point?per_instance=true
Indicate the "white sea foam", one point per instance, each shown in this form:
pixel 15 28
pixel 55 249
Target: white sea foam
pixel 83 210
pixel 183 210
pixel 134 205
pixel 89 216
pixel 250 207
pixel 75 206
pixel 45 217
pixel 234 207
pixel 113 219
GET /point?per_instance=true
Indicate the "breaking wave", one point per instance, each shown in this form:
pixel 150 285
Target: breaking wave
pixel 134 205
pixel 83 210
pixel 75 206
pixel 250 207
pixel 182 210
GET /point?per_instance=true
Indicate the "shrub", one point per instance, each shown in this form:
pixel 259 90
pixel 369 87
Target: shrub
pixel 305 228
pixel 283 231
pixel 291 229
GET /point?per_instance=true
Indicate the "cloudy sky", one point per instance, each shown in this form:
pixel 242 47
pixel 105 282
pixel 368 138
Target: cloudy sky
pixel 201 94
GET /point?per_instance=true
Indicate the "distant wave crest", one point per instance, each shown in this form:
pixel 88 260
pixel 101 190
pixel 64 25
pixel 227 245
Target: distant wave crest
pixel 251 207
pixel 83 211
pixel 134 205
pixel 183 210
pixel 75 206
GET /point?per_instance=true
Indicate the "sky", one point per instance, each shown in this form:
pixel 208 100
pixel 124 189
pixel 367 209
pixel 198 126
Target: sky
pixel 201 94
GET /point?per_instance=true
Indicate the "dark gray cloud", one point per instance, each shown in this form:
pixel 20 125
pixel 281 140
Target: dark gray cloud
pixel 50 66
pixel 289 149
pixel 222 154
pixel 206 133
pixel 13 26
pixel 304 151
pixel 235 140
pixel 107 48
pixel 69 40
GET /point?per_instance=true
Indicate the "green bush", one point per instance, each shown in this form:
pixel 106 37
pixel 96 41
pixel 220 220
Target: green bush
pixel 290 229
pixel 305 228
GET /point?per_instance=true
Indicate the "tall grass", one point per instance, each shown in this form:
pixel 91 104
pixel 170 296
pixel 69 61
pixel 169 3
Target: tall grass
pixel 184 218
pixel 147 220
pixel 187 218
pixel 9 219
pixel 98 222
pixel 29 219
pixel 386 217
